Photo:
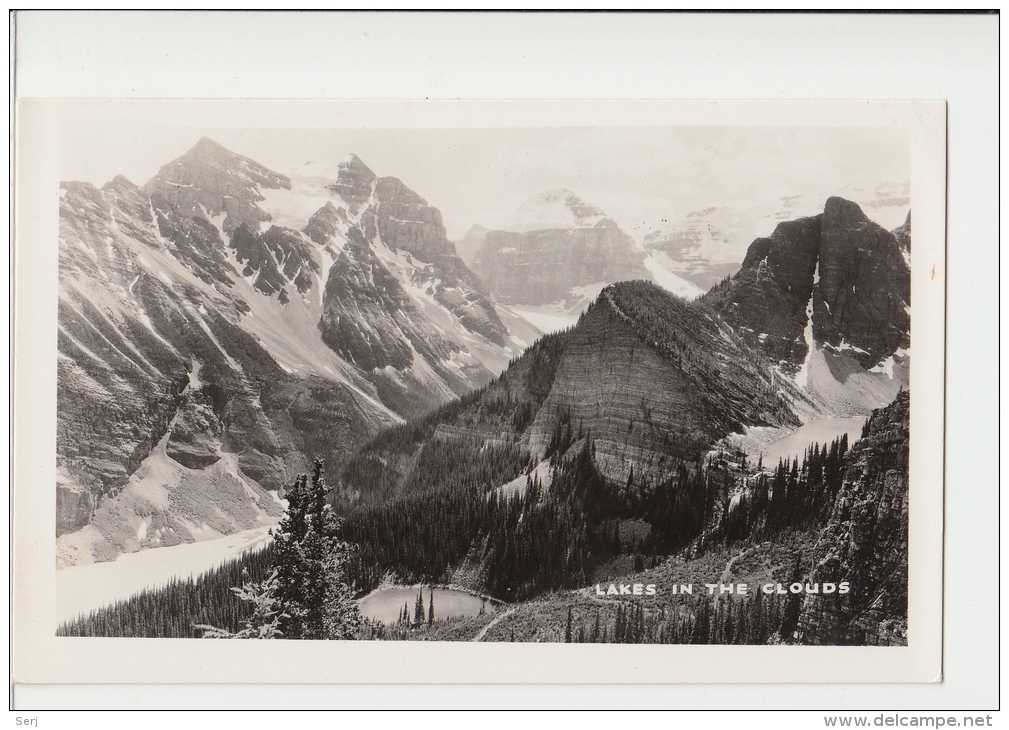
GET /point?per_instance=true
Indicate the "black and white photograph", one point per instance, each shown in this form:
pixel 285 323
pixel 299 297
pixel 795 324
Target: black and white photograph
pixel 590 385
pixel 481 381
pixel 504 360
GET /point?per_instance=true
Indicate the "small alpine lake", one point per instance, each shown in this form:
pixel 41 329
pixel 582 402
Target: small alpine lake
pixel 821 430
pixel 386 604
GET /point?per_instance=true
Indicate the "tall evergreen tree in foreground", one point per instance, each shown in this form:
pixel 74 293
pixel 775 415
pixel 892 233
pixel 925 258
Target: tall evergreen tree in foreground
pixel 311 559
pixel 308 595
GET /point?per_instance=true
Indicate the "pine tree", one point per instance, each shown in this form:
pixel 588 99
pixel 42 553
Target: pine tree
pixel 430 609
pixel 311 563
pixel 266 615
pixel 418 608
pixel 289 560
pixel 793 604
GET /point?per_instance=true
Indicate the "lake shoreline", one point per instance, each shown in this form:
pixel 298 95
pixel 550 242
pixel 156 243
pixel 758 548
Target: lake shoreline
pixel 444 586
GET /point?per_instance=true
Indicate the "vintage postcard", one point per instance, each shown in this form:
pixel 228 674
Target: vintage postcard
pixel 479 391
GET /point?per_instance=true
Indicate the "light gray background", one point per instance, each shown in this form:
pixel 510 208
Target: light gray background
pixel 143 55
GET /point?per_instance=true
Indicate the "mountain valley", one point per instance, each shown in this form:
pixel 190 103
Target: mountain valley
pixel 224 325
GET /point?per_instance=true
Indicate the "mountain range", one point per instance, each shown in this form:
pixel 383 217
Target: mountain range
pixel 556 255
pixel 223 324
pixel 705 245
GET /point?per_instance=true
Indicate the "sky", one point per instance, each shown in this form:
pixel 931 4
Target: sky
pixel 642 177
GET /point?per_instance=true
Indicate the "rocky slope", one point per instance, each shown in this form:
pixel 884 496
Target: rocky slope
pixel 865 542
pixel 827 295
pixel 398 302
pixel 151 355
pixel 652 378
pixel 210 180
pixel 224 324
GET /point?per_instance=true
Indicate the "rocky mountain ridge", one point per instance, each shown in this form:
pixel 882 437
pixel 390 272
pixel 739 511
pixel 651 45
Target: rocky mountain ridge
pixel 602 375
pixel 195 331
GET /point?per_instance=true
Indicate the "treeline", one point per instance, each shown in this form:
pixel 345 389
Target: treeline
pixel 536 539
pixel 174 610
pixel 798 496
pixel 523 542
pixel 533 539
pixel 408 458
pixel 754 619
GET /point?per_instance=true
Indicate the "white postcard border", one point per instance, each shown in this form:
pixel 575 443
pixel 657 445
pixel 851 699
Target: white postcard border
pixel 40 656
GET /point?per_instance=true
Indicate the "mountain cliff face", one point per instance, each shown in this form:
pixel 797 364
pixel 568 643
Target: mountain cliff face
pixel 558 243
pixel 865 541
pixel 827 298
pixel 558 254
pixel 847 269
pixel 398 302
pixel 210 180
pixel 652 378
pixel 204 351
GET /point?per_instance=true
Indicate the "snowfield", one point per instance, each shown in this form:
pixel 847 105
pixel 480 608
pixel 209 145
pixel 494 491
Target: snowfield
pixel 83 588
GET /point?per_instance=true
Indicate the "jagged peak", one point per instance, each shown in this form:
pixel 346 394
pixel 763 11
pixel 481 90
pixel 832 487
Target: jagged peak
pixel 209 150
pixel 207 154
pixel 120 182
pixel 207 145
pixel 354 164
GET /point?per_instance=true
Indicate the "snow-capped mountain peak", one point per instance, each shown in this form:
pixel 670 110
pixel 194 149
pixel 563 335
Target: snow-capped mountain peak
pixel 235 323
pixel 557 208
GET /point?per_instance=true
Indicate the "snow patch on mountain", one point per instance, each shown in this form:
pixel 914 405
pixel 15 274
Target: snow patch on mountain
pixel 546 318
pixel 292 208
pixel 886 365
pixel 802 376
pixel 670 281
pixel 557 208
pixel 517 486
